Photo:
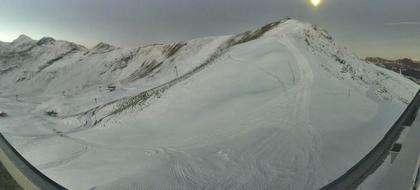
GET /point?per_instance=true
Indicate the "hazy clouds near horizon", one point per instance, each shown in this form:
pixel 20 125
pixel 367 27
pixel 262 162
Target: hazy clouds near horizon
pixel 386 28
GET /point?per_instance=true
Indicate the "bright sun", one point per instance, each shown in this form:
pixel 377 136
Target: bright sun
pixel 316 2
pixel 7 37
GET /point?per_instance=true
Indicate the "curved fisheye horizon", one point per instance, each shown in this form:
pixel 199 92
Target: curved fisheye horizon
pixel 227 95
pixel 360 26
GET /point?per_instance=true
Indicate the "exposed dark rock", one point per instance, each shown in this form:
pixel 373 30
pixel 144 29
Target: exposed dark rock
pixel 51 113
pixel 171 50
pixel 46 41
pixel 3 114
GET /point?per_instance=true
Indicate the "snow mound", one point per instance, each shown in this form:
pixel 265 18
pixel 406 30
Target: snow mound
pixel 22 39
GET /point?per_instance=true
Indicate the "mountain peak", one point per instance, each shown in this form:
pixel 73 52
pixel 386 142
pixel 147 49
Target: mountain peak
pixel 103 48
pixel 103 45
pixel 46 40
pixel 22 39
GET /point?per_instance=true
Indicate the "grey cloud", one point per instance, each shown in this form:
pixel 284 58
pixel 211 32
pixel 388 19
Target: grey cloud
pixel 358 24
pixel 403 23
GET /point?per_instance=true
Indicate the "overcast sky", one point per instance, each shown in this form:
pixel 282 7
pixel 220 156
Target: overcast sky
pixel 387 28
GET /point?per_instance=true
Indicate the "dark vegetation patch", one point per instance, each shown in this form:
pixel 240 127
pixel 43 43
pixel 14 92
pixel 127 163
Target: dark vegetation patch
pixel 171 50
pixel 253 35
pixel 146 68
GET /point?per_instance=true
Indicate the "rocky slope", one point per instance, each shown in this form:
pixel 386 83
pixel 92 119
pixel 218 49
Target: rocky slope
pixel 407 67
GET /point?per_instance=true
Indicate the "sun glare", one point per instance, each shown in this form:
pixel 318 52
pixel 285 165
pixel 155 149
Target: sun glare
pixel 316 2
pixel 7 37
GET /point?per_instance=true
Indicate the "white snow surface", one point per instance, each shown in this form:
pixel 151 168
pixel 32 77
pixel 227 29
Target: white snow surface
pixel 285 110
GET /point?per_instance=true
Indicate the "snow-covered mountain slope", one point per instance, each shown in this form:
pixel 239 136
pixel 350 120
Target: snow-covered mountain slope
pixel 280 107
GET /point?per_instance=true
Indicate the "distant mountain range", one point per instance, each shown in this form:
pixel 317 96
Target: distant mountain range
pixel 407 67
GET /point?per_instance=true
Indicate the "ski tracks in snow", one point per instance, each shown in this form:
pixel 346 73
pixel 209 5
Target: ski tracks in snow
pixel 63 161
pixel 305 156
pixel 302 100
pixel 257 164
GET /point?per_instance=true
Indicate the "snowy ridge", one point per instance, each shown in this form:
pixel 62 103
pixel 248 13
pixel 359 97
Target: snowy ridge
pixel 357 70
pixel 279 107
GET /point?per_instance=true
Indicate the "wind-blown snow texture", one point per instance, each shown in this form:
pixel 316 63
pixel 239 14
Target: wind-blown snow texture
pixel 281 107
